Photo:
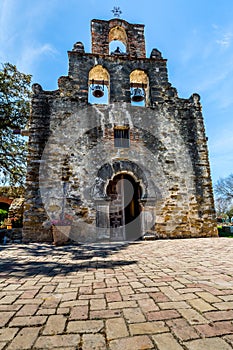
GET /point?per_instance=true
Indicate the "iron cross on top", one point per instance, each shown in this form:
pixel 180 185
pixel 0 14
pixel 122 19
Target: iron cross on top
pixel 117 11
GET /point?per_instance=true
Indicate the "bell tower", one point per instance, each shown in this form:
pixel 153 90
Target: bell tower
pixel 136 152
pixel 122 74
pixel 131 35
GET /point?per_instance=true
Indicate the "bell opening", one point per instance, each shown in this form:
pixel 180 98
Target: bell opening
pixel 99 80
pixel 137 94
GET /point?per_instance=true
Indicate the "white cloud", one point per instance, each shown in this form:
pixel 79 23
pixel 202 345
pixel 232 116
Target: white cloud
pixel 225 40
pixel 31 54
pixel 21 25
pixel 212 69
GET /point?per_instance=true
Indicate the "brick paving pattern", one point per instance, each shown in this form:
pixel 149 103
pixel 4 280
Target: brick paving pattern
pixel 162 295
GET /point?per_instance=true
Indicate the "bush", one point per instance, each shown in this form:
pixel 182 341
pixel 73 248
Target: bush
pixel 225 231
pixel 3 214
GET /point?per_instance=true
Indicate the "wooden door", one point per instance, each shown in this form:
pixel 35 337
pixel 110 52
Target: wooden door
pixel 124 209
pixel 116 209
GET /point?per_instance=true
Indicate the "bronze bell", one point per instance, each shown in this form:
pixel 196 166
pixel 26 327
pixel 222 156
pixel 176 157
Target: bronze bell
pixel 98 91
pixel 137 95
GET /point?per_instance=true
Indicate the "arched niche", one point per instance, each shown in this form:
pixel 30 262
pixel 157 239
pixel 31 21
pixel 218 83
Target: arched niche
pixel 118 39
pixel 108 171
pixel 99 81
pixel 139 84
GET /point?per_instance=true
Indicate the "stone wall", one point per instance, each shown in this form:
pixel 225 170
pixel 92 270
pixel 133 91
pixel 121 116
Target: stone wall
pixel 168 152
pixel 16 210
pixel 135 37
pixel 76 84
pixel 11 192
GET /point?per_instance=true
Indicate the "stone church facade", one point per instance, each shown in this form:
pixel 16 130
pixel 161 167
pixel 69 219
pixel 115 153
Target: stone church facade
pixel 115 150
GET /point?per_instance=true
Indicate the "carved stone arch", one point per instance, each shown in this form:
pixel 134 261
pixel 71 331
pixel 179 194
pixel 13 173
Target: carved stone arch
pixel 108 171
pixel 99 72
pixel 139 76
pixel 6 200
pixel 115 218
pixel 118 33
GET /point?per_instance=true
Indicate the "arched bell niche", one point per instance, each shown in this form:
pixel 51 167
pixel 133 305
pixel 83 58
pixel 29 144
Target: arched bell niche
pixel 118 41
pixel 139 88
pixel 99 81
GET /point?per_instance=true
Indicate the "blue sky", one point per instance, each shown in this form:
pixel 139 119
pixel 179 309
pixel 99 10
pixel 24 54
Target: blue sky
pixel 195 36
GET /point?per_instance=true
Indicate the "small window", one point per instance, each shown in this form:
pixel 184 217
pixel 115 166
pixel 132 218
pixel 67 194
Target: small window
pixel 121 137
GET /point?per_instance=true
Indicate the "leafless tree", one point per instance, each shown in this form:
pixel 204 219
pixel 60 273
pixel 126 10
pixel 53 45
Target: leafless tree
pixel 224 187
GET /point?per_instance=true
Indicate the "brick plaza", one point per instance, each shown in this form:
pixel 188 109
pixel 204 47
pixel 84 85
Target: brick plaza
pixel 165 295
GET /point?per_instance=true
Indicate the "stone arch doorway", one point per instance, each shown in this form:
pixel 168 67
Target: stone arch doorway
pixel 124 193
pixel 5 203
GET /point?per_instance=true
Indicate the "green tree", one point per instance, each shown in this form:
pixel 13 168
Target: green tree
pixel 14 114
pixel 3 215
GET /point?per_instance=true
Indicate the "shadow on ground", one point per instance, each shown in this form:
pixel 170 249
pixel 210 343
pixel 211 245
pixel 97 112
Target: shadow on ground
pixel 47 260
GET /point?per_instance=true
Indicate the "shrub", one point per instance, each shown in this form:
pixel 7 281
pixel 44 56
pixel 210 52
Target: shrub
pixel 3 214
